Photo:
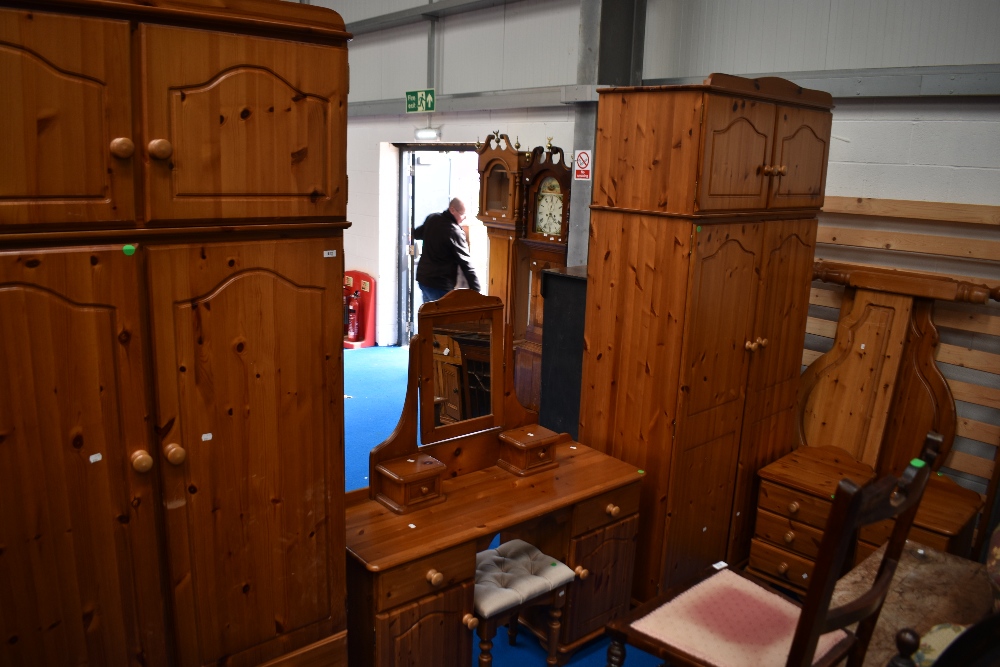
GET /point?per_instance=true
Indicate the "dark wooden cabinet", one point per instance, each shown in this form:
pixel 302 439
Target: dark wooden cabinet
pixel 171 416
pixel 702 238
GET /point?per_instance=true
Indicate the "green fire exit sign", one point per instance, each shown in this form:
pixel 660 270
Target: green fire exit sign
pixel 418 101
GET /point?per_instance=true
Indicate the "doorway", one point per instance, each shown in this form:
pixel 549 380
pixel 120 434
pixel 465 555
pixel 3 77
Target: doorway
pixel 430 177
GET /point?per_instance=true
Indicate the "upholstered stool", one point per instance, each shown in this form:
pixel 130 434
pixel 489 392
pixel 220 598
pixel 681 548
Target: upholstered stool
pixel 510 578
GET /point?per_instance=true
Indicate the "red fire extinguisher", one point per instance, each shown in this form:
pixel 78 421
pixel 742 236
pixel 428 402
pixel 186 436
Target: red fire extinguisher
pixel 354 317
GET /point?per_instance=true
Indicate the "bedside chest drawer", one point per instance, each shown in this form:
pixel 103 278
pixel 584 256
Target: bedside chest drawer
pixel 801 507
pixel 605 508
pixel 787 534
pixel 416 579
pixel 780 565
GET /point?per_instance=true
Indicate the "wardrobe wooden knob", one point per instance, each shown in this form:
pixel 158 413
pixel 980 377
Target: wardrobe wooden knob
pixel 789 537
pixel 175 453
pixel 793 507
pixel 141 461
pixel 122 147
pixel 782 568
pixel 613 510
pixel 762 342
pixel 781 171
pixel 751 345
pixel 470 621
pixel 768 170
pixel 160 149
pixel 581 572
pixel 434 577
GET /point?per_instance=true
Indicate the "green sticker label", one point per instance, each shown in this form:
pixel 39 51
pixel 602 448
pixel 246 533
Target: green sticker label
pixel 698 228
pixel 128 249
pixel 917 463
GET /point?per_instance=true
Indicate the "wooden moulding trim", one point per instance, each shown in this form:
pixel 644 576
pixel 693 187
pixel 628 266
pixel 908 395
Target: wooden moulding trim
pixel 166 234
pixel 298 21
pixel 915 210
pixel 720 216
pixel 769 88
pixel 912 283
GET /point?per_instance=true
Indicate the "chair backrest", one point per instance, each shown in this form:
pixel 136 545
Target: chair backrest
pixel 854 507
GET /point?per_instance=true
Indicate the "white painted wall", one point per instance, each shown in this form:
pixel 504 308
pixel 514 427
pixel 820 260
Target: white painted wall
pixel 373 202
pixel 388 63
pixel 925 149
pixel 688 38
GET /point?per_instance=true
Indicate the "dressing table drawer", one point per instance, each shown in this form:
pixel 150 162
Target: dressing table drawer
pixel 793 504
pixel 605 508
pixel 426 576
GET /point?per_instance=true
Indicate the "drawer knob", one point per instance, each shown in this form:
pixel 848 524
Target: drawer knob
pixel 613 510
pixel 434 577
pixel 793 507
pixel 789 537
pixel 160 149
pixel 122 148
pixel 542 453
pixel 782 567
pixel 142 461
pixel 581 572
pixel 175 453
pixel 470 621
pixel 424 490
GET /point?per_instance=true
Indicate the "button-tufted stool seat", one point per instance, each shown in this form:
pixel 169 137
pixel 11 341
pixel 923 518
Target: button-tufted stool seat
pixel 510 578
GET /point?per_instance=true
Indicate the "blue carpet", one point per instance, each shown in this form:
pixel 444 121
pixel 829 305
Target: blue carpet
pixel 374 389
pixel 375 382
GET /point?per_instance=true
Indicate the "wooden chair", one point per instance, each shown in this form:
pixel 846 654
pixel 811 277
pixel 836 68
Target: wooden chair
pixel 725 619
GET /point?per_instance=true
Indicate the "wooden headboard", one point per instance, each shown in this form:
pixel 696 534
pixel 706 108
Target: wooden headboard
pixel 953 241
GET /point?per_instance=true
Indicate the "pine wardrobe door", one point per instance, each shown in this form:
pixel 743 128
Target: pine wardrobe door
pixel 247 341
pixel 66 145
pixel 79 574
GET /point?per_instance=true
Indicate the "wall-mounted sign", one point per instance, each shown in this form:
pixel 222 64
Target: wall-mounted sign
pixel 581 166
pixel 420 101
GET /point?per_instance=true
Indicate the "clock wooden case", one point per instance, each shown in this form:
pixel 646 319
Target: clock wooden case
pixel 547 179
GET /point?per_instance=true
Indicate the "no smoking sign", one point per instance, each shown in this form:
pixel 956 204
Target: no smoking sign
pixel 581 166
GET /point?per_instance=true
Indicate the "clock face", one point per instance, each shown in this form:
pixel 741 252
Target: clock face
pixel 549 208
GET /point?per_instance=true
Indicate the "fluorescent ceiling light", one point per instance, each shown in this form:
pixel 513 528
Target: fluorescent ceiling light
pixel 427 133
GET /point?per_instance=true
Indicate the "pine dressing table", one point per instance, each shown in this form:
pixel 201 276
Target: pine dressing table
pixel 413 535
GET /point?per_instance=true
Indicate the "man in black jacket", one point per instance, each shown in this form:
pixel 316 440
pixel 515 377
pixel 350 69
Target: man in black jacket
pixel 444 253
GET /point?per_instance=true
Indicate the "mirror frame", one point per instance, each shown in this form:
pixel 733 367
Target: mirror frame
pixel 460 306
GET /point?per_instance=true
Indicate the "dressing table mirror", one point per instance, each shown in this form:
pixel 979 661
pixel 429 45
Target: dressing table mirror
pixel 456 382
pixel 461 359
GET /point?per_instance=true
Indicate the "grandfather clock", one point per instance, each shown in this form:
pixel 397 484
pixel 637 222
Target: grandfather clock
pixel 546 180
pixel 500 166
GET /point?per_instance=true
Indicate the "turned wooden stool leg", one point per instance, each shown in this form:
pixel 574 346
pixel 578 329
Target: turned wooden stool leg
pixel 616 654
pixel 555 613
pixel 512 629
pixel 486 630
